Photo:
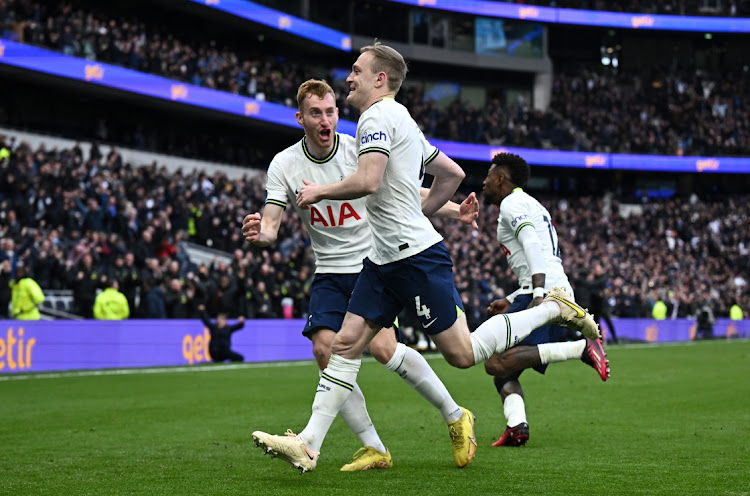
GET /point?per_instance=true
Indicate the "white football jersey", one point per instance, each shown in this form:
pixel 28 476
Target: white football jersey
pixel 338 229
pixel 399 228
pixel 520 210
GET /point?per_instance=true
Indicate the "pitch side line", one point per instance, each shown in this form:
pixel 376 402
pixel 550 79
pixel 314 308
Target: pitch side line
pixel 297 363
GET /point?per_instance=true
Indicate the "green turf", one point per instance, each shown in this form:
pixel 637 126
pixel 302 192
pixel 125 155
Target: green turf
pixel 673 420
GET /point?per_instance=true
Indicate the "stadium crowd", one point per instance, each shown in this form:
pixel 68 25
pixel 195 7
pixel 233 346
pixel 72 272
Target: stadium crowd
pixel 733 8
pixel 77 219
pixel 676 112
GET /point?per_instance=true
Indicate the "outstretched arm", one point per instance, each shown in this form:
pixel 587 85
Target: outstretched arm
pixel 263 230
pixel 467 212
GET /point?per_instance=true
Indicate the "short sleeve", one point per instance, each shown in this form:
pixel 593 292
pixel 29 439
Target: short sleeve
pixel 429 152
pixel 373 134
pixel 276 192
pixel 516 215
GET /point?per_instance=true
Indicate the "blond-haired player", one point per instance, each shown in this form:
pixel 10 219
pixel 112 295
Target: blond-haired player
pixel 341 239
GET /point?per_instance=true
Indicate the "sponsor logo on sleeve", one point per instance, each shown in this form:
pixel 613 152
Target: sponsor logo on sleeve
pixel 370 137
pixel 519 219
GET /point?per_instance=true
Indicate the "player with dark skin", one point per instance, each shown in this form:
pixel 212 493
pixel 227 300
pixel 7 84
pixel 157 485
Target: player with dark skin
pixel 501 189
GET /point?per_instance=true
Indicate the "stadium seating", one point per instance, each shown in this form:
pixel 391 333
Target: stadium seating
pixel 683 250
pixel 71 202
pixel 680 111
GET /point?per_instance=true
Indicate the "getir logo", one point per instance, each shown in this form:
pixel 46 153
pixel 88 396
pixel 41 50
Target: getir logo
pixel 16 352
pixel 178 92
pixel 285 22
pixel 195 347
pixel 528 13
pixel 93 71
pixel 251 108
pixel 642 21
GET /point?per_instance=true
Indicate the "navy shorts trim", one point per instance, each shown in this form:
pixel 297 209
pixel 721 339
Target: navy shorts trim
pixel 545 334
pixel 422 284
pixel 329 298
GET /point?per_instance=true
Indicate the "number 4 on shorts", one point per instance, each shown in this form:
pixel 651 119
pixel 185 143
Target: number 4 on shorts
pixel 422 310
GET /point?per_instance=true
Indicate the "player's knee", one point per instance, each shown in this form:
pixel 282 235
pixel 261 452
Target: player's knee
pixel 322 353
pixel 379 353
pixel 459 360
pixel 494 365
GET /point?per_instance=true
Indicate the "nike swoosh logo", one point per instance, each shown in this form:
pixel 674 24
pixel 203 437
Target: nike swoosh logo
pixel 429 323
pixel 579 310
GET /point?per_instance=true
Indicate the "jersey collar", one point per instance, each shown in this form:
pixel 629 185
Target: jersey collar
pixel 312 158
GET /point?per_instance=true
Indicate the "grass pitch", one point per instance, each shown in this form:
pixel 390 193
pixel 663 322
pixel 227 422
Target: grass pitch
pixel 672 420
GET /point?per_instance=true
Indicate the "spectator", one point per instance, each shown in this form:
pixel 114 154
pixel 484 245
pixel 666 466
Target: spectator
pixel 83 278
pixel 26 296
pixel 176 300
pixel 705 321
pixel 124 271
pixel 736 313
pixel 5 293
pixel 110 304
pixel 659 312
pixel 594 288
pixel 153 296
pixel 220 344
pixel 592 109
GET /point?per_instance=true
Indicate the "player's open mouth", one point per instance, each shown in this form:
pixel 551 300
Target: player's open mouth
pixel 325 134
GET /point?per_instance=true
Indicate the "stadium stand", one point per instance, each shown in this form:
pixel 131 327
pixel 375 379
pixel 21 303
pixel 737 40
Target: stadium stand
pixel 739 8
pixel 56 206
pixel 134 216
pixel 654 110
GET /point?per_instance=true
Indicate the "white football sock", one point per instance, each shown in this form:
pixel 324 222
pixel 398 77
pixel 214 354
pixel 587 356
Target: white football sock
pixel 354 413
pixel 559 352
pixel 334 388
pixel 514 409
pixel 414 369
pixel 504 331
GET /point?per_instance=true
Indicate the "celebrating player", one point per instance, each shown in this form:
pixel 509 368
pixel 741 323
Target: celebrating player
pixel 528 237
pixel 340 239
pixel 408 265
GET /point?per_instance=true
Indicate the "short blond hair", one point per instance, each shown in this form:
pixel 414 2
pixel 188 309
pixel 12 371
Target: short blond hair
pixel 315 87
pixel 387 59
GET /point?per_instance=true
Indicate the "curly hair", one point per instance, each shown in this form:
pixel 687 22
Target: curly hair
pixel 517 167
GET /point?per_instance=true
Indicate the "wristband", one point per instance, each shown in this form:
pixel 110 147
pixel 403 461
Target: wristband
pixel 538 292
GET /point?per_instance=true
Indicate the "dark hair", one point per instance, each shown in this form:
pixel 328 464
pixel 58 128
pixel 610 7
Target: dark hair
pixel 517 167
